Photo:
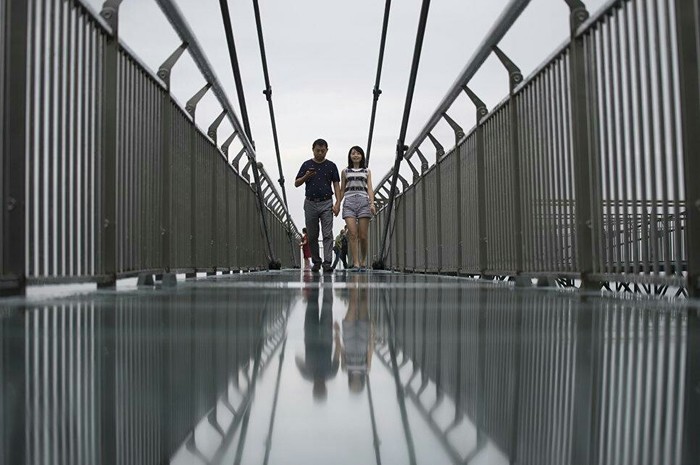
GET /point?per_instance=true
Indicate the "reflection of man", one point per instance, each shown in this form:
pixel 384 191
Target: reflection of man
pixel 319 365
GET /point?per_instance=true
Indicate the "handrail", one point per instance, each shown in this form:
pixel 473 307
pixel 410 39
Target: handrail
pixel 174 16
pixel 503 24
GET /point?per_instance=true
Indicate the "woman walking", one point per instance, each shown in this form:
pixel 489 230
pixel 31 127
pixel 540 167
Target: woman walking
pixel 358 208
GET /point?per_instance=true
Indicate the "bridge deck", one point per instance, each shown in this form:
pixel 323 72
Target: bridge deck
pixel 270 368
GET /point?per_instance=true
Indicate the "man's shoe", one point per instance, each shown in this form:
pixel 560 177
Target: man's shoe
pixel 316 267
pixel 327 269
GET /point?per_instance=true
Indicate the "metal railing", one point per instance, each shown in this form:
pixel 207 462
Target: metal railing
pixel 105 175
pixel 585 170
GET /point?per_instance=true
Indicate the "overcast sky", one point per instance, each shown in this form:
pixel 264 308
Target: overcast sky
pixel 322 58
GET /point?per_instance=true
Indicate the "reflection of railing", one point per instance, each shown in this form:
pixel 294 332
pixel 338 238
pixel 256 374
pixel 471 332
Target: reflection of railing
pixel 542 377
pixel 116 379
pixel 108 175
pixel 598 140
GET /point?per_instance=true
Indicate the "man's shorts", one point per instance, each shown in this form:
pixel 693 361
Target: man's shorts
pixel 356 206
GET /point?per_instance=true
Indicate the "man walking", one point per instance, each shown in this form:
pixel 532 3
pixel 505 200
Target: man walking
pixel 319 174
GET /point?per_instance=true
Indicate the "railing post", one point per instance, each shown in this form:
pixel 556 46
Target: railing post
pixel 459 134
pixel 108 176
pixel 212 132
pixel 191 108
pixel 580 147
pixel 224 149
pixel 13 84
pixel 481 112
pixel 166 131
pixel 687 33
pixel 439 154
pixel 515 77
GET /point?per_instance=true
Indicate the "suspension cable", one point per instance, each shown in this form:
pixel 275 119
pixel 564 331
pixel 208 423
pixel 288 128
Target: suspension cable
pixel 400 143
pixel 376 92
pixel 246 123
pixel 268 96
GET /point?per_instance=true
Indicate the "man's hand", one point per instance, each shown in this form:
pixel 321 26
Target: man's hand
pixel 372 209
pixel 336 208
pixel 309 173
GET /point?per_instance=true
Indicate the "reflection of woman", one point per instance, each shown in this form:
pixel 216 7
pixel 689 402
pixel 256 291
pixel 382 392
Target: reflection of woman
pixel 306 249
pixel 358 335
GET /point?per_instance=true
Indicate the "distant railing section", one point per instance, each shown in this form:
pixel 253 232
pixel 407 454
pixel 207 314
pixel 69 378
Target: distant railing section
pixel 106 175
pixel 127 379
pixel 545 378
pixel 585 170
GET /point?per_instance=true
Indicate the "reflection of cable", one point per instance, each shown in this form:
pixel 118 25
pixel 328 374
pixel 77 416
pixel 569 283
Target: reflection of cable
pixel 399 389
pixel 268 442
pixel 374 423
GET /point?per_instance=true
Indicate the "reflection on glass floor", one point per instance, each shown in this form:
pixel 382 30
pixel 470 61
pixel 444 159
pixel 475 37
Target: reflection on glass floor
pixel 290 367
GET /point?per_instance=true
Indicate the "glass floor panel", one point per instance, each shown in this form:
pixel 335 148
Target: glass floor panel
pixel 291 367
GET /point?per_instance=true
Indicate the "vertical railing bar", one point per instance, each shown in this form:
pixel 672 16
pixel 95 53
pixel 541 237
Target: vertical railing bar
pixel 87 92
pixel 640 141
pixel 607 140
pixel 529 225
pixel 634 81
pixel 529 149
pixel 627 121
pixel 651 139
pixel 530 131
pixel 677 160
pixel 147 211
pixel 546 199
pixel 553 179
pixel 33 156
pixel 137 167
pixel 565 168
pixel 60 153
pixel 525 113
pixel 507 256
pixel 662 126
pixel 129 124
pixel 144 157
pixel 488 204
pixel 565 172
pixel 79 137
pixel 559 165
pixel 498 244
pixel 86 209
pixel 157 176
pixel 49 117
pixel 619 143
pixel 543 153
pixel 124 179
pixel 558 161
pixel 71 98
pixel 540 223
